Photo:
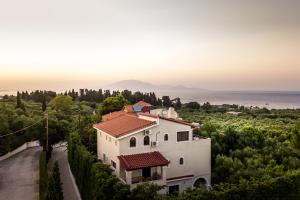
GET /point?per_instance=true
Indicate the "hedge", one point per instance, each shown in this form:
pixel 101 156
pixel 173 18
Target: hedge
pixel 94 179
pixel 43 183
pixel 286 187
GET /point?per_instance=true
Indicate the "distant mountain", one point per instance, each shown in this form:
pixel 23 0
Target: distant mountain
pixel 136 85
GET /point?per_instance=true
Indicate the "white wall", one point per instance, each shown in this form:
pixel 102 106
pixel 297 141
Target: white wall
pixel 110 146
pixel 21 148
pixel 196 153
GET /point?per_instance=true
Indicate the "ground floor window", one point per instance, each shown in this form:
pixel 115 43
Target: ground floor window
pixel 174 189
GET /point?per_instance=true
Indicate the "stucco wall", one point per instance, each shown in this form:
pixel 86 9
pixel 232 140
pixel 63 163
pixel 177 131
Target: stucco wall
pixel 110 146
pixel 196 153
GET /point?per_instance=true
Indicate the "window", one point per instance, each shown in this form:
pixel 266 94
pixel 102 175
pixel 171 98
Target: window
pixel 132 142
pixel 104 157
pixel 166 137
pixel 109 139
pixel 113 164
pixel 116 143
pixel 146 140
pixel 181 161
pixel 182 136
pixel 106 137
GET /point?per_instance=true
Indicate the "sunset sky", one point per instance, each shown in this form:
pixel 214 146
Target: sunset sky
pixel 224 44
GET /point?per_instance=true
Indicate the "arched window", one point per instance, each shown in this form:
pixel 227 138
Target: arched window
pixel 166 137
pixel 132 142
pixel 181 161
pixel 200 182
pixel 146 140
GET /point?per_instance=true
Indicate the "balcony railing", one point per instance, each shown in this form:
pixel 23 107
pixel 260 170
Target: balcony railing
pixel 140 179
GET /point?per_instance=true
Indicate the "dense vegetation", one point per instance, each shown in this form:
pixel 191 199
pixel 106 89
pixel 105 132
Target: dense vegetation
pixel 43 182
pixel 55 191
pixel 50 186
pixel 255 152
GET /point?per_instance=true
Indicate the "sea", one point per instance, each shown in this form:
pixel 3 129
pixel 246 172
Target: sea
pixel 268 99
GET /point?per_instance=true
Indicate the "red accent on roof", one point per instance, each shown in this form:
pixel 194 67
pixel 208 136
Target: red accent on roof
pixel 123 124
pixel 180 177
pixel 178 121
pixel 139 161
pixel 142 103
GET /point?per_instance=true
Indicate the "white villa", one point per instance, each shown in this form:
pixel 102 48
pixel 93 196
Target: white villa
pixel 143 147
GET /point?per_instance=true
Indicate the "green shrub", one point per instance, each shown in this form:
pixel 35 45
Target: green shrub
pixel 55 191
pixel 43 185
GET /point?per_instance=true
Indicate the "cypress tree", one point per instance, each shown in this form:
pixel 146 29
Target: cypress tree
pixel 44 104
pixel 19 103
pixel 55 191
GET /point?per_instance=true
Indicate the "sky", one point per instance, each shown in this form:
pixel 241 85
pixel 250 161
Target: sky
pixel 212 44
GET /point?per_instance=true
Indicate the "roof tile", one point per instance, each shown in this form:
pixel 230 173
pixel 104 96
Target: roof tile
pixel 142 160
pixel 123 124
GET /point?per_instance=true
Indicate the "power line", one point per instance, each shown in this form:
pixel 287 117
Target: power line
pixel 1 136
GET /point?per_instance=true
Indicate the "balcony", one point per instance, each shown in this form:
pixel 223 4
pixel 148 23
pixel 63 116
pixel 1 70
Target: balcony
pixel 140 179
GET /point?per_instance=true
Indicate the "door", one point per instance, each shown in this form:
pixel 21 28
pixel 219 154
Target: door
pixel 146 172
pixel 174 189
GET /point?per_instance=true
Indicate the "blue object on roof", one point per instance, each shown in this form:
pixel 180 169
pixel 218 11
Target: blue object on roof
pixel 138 108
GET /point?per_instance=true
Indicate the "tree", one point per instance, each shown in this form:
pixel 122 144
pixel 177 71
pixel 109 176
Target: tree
pixel 177 103
pixel 295 140
pixel 19 103
pixel 55 191
pixel 44 104
pixel 112 104
pixel 193 105
pixel 166 101
pixel 61 103
pixel 145 191
pixel 206 106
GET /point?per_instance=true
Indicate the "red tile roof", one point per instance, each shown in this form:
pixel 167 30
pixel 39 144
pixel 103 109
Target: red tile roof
pixel 112 115
pixel 123 124
pixel 126 110
pixel 142 103
pixel 139 161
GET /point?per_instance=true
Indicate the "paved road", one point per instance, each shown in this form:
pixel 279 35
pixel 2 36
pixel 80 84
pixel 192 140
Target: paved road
pixel 69 186
pixel 19 176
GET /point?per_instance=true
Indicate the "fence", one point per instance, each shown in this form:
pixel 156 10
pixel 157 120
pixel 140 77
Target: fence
pixel 20 148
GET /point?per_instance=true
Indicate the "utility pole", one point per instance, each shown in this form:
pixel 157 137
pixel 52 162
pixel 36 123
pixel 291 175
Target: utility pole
pixel 47 130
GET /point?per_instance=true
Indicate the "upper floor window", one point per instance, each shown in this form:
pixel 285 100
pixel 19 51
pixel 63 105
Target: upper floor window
pixel 146 140
pixel 104 157
pixel 181 161
pixel 166 137
pixel 182 136
pixel 132 142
